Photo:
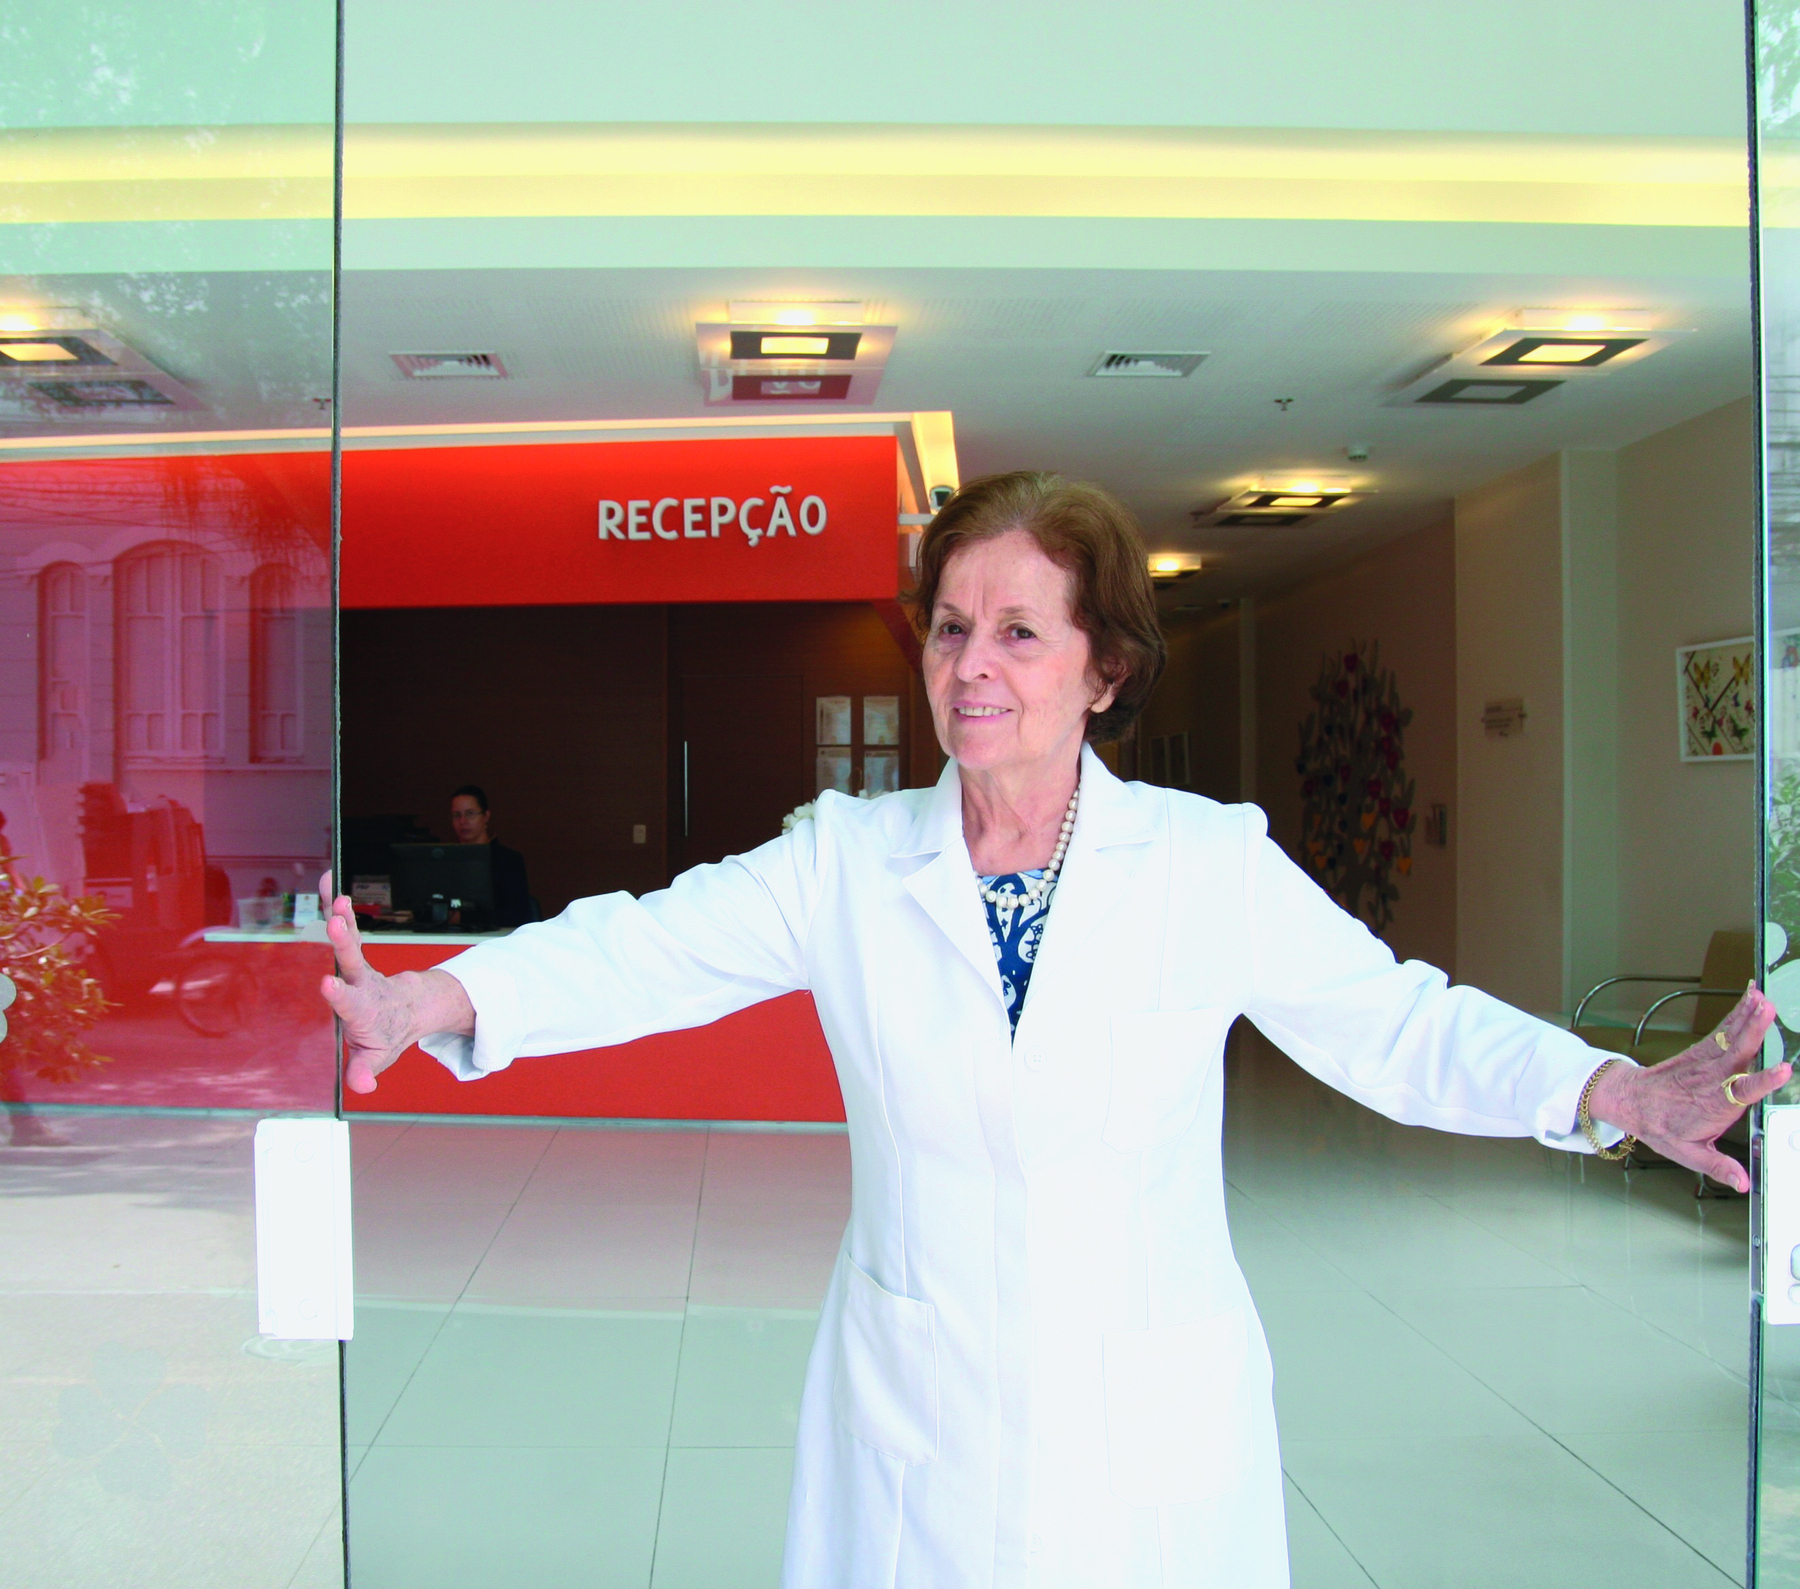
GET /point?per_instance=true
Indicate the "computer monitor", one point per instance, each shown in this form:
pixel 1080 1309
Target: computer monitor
pixel 431 880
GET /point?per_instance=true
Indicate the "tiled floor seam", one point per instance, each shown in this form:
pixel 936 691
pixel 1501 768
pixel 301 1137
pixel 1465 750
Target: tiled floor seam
pixel 474 1269
pixel 1667 1527
pixel 662 1489
pixel 1325 1523
pixel 1479 1379
pixel 306 1555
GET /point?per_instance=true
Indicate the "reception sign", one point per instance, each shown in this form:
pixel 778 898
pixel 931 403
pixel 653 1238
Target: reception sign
pixel 788 519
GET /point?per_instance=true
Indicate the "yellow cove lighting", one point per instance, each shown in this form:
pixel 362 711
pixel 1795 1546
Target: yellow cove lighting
pixel 38 353
pixel 837 312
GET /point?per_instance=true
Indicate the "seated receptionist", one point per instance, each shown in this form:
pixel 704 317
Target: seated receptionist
pixel 1038 1361
pixel 470 818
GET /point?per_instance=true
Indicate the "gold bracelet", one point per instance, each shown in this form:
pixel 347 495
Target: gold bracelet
pixel 1623 1150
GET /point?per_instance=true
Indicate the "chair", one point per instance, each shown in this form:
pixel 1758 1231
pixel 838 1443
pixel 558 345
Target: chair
pixel 1730 964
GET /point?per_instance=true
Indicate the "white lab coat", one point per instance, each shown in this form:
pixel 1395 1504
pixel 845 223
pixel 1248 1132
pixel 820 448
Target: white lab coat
pixel 1037 1362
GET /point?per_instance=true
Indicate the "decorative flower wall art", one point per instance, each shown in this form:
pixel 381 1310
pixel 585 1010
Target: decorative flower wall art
pixel 1357 808
pixel 1717 698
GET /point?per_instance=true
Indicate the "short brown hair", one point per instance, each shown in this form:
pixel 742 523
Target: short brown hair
pixel 1092 534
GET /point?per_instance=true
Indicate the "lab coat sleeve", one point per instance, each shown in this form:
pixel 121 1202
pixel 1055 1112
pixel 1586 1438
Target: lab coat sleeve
pixel 1396 1036
pixel 613 968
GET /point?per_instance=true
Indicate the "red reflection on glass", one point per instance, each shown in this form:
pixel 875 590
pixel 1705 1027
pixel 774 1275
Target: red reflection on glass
pixel 165 779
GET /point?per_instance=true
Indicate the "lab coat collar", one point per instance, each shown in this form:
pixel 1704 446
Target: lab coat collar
pixel 1110 815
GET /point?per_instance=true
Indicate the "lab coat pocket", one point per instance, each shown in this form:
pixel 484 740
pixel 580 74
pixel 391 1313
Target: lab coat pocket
pixel 1178 1426
pixel 1160 1065
pixel 886 1390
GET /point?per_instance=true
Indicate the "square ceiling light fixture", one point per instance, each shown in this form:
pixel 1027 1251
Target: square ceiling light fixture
pixel 1274 503
pixel 1171 568
pixel 792 352
pixel 52 368
pixel 1572 344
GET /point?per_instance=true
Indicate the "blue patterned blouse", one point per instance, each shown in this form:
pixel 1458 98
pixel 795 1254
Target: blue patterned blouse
pixel 1016 933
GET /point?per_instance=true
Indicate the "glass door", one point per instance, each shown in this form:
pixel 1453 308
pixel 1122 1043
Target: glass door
pixel 166 730
pixel 1775 1439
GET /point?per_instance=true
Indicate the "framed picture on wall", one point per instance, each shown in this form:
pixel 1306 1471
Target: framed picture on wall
pixel 1159 760
pixel 881 771
pixel 832 770
pixel 881 720
pixel 831 720
pixel 1715 686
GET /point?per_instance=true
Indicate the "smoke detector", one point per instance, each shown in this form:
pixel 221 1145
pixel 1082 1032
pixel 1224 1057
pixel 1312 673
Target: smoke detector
pixel 1147 366
pixel 450 366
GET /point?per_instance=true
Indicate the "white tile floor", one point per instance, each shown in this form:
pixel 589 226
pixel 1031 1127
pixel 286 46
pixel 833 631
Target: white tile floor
pixel 578 1358
pixel 1495 1365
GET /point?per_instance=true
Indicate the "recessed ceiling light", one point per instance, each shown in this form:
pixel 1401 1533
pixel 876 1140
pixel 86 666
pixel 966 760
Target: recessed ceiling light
pixel 790 388
pixel 1305 501
pixel 38 353
pixel 839 346
pixel 41 350
pixel 836 312
pixel 1238 520
pixel 1168 567
pixel 1488 394
pixel 804 347
pixel 1567 352
pixel 1578 320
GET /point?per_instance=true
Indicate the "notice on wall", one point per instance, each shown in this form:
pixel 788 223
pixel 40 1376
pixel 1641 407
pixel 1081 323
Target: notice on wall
pixel 732 519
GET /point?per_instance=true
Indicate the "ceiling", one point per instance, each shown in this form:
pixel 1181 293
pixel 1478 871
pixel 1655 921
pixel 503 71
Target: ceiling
pixel 1005 349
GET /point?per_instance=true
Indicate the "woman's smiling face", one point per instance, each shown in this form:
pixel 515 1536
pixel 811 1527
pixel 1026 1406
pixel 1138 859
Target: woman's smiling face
pixel 1008 671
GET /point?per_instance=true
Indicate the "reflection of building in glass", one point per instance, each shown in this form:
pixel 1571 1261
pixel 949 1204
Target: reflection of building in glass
pixel 175 753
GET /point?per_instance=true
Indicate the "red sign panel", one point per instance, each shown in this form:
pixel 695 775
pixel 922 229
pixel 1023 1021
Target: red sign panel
pixel 789 519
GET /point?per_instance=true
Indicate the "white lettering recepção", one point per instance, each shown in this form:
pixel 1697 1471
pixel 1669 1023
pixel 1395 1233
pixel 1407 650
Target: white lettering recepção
pixel 702 518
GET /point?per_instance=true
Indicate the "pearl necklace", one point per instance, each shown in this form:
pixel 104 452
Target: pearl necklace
pixel 1037 889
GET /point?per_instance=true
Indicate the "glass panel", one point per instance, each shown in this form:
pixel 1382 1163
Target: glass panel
pixel 590 1282
pixel 165 778
pixel 1776 1341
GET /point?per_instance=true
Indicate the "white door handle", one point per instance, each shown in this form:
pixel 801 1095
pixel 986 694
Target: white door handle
pixel 304 1287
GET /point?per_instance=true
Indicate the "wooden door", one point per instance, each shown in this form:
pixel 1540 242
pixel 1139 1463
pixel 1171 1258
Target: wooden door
pixel 740 762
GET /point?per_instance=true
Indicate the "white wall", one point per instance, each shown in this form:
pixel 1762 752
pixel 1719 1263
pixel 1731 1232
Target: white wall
pixel 1509 642
pixel 1401 597
pixel 1587 847
pixel 1687 831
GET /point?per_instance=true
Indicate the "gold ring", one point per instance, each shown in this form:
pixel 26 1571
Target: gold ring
pixel 1736 1102
pixel 1723 1041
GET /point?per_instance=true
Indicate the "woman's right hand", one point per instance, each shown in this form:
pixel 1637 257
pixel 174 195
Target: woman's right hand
pixel 383 1016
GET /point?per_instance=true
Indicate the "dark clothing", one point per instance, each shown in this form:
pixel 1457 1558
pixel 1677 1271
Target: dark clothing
pixel 513 904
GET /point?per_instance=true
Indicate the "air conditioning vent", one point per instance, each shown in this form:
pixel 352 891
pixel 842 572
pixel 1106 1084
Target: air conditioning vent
pixel 450 366
pixel 103 394
pixel 1148 366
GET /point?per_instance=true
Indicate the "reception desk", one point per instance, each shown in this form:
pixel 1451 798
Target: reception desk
pixel 768 1062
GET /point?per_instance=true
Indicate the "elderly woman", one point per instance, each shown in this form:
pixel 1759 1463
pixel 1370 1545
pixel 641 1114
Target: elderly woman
pixel 1037 1361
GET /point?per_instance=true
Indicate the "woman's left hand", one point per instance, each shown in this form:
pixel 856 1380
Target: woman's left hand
pixel 1680 1107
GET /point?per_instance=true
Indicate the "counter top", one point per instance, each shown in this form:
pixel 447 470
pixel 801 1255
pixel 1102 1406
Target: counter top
pixel 314 932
